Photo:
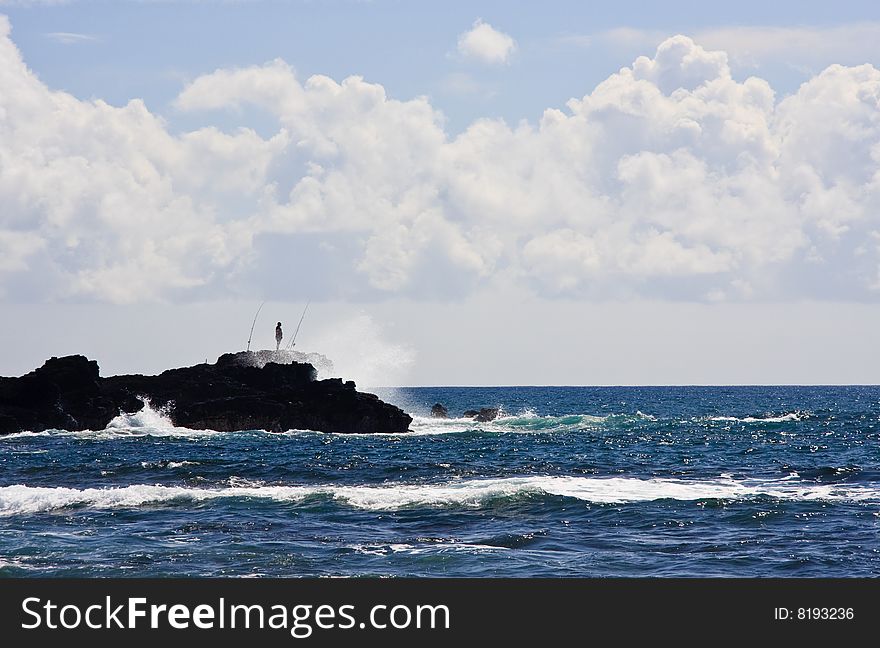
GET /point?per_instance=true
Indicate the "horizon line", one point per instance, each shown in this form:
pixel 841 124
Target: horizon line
pixel 607 386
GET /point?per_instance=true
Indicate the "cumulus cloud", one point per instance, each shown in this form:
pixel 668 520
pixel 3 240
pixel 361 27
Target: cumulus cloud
pixel 486 44
pixel 671 178
pixel 752 47
pixel 122 210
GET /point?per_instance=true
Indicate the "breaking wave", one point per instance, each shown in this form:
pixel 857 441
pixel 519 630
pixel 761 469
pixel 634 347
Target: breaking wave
pixel 784 418
pixel 526 422
pixel 148 417
pixel 473 493
pixel 151 421
pixel 424 548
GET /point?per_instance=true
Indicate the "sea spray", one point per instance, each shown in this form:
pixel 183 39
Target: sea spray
pixel 361 352
pixel 148 417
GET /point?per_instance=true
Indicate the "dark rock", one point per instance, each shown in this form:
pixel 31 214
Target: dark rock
pixel 484 415
pixel 63 393
pixel 260 359
pixel 487 414
pixel 438 411
pixel 235 393
pixel 8 424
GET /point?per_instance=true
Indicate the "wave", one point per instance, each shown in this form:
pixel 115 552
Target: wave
pixel 14 563
pixel 168 464
pixel 148 417
pixel 149 421
pixel 450 546
pixel 784 418
pixel 28 435
pixel 472 493
pixel 526 422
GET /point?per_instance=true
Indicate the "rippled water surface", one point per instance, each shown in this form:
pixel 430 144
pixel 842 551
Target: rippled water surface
pixel 679 481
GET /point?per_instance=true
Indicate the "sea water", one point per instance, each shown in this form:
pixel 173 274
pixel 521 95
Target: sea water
pixel 568 481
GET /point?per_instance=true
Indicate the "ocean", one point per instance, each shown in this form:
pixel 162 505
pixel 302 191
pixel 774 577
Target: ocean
pixel 568 481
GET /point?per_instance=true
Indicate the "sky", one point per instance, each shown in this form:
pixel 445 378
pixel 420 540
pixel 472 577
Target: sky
pixel 466 193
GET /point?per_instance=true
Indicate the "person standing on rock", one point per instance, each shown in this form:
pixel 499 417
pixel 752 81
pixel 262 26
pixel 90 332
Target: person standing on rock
pixel 278 336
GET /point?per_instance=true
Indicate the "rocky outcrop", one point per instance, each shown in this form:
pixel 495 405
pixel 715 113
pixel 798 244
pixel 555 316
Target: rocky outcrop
pixel 439 411
pixel 483 415
pixel 240 391
pixel 65 393
pixel 260 359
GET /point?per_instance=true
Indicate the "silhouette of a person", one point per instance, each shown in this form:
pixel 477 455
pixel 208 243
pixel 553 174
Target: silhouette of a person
pixel 278 336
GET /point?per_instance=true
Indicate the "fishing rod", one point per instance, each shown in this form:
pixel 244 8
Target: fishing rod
pixel 253 325
pixel 293 339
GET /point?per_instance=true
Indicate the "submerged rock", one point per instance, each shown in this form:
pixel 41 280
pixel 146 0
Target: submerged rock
pixel 240 391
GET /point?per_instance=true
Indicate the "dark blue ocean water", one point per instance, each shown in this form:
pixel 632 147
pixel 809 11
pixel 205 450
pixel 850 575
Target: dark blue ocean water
pixel 570 481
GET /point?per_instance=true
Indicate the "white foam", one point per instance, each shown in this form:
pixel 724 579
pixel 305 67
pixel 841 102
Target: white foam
pixel 6 563
pixel 473 493
pixel 26 435
pixel 425 548
pixel 526 422
pixel 426 425
pixel 168 464
pixel 147 417
pixel 238 482
pixel 149 421
pixel 791 416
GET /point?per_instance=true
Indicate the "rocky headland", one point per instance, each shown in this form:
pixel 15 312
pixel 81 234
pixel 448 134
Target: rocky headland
pixel 266 390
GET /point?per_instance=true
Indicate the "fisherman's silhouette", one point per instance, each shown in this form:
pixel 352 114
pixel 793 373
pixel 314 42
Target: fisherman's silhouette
pixel 278 336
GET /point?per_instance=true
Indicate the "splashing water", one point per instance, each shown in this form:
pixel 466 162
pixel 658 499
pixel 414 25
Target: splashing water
pixel 361 352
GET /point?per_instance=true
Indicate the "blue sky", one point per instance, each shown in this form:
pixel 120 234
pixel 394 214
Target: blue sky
pixel 148 49
pixel 572 193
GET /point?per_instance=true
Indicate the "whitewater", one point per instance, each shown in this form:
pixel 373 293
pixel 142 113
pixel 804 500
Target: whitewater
pixel 567 481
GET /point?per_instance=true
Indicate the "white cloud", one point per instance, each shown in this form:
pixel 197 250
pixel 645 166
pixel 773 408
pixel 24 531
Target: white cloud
pixel 486 44
pixel 669 179
pixel 751 47
pixel 814 47
pixel 69 38
pixel 31 3
pixel 124 211
pixel 16 247
pixel 678 64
